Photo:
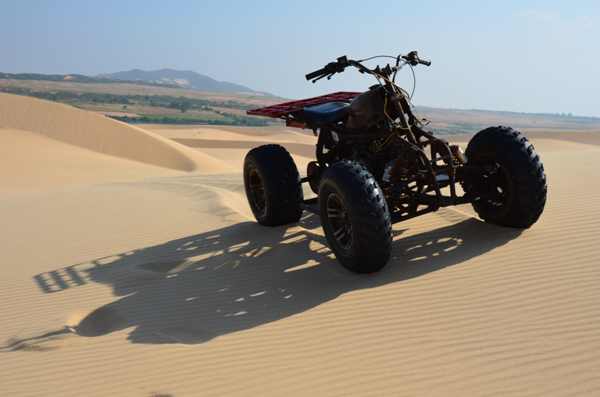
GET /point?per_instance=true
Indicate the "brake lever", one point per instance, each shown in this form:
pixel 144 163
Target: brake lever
pixel 319 78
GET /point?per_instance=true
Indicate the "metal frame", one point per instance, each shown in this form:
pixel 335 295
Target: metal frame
pixel 424 170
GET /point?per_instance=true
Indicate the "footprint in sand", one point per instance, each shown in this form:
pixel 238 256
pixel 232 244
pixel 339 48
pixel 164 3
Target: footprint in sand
pixel 47 335
pixel 33 339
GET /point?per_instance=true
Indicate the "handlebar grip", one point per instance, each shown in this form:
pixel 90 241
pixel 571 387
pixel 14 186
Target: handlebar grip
pixel 330 68
pixel 414 60
pixel 315 74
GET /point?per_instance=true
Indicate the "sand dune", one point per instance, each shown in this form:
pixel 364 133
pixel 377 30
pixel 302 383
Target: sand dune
pixel 48 146
pixel 264 134
pixel 33 162
pixel 163 285
pixel 101 134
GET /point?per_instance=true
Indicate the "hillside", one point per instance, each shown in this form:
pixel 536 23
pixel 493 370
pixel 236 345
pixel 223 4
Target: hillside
pixel 462 121
pixel 168 104
pixel 78 78
pixel 147 104
pixel 182 78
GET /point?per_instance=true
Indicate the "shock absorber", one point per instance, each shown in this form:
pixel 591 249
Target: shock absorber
pixel 459 154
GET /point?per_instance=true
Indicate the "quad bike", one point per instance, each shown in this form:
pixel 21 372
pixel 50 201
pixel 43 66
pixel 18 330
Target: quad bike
pixel 377 165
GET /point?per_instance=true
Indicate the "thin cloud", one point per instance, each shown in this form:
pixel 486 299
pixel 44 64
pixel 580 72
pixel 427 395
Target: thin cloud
pixel 583 22
pixel 552 19
pixel 547 17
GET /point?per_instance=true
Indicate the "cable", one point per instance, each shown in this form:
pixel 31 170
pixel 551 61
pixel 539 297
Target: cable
pixel 376 56
pixel 398 67
pixel 414 80
pixel 391 82
pixel 432 127
pixel 403 92
pixel 428 122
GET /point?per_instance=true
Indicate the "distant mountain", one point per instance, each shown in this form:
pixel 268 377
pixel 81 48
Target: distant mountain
pixel 182 78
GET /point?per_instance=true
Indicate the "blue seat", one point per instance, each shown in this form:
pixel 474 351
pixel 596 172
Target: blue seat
pixel 324 114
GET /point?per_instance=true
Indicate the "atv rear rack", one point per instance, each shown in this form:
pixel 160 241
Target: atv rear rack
pixel 284 110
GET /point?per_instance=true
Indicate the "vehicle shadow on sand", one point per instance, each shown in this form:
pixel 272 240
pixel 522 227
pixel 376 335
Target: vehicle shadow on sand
pixel 194 289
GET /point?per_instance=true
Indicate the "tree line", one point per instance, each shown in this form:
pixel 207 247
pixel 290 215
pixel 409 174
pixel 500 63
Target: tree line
pixel 69 96
pixel 79 78
pixel 166 101
pixel 232 120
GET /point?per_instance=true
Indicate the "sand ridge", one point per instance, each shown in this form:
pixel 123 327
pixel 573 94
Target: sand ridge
pixel 48 146
pixel 98 133
pixel 162 284
pixel 275 133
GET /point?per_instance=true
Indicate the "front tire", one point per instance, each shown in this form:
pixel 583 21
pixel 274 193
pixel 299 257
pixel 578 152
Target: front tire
pixel 355 217
pixel 519 179
pixel 273 186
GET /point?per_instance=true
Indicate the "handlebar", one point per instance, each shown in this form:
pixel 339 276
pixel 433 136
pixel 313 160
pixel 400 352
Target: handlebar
pixel 414 60
pixel 330 69
pixel 337 67
pixel 317 73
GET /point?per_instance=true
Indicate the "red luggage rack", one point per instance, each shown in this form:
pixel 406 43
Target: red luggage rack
pixel 285 110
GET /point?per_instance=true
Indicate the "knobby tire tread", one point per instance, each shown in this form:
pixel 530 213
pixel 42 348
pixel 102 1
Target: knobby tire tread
pixel 371 222
pixel 525 168
pixel 282 184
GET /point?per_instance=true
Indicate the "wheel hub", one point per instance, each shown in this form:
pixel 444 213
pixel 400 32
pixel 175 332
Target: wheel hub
pixel 257 190
pixel 339 221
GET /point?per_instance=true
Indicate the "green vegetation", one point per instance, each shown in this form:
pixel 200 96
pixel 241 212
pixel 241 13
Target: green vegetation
pixel 231 119
pixel 166 101
pixel 69 97
pixel 78 78
pixel 96 101
pixel 462 121
pixel 161 104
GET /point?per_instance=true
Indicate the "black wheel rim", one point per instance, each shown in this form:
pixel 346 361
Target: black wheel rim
pixel 499 187
pixel 495 184
pixel 339 221
pixel 257 190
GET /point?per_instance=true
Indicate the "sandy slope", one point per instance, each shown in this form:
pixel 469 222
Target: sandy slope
pixel 46 146
pixel 91 131
pixel 164 285
pixel 268 134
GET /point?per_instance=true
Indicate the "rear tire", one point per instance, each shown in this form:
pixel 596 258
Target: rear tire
pixel 273 186
pixel 520 178
pixel 355 217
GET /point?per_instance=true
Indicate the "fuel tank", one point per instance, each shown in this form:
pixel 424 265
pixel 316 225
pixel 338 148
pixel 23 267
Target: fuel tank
pixel 367 109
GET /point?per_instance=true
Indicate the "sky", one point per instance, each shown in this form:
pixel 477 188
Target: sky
pixel 520 56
